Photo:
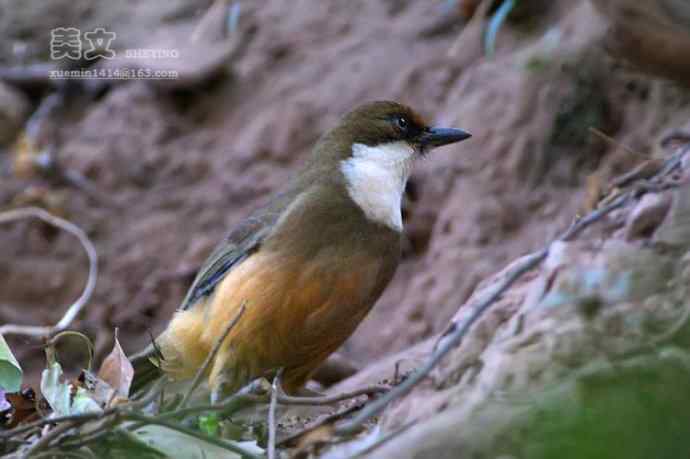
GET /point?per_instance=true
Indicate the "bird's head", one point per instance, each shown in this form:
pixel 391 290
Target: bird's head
pixel 373 148
pixel 387 125
pixel 382 132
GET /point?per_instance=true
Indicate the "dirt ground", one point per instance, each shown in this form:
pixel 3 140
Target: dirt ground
pixel 181 166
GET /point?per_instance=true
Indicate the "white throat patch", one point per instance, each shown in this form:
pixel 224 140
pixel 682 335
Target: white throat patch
pixel 376 178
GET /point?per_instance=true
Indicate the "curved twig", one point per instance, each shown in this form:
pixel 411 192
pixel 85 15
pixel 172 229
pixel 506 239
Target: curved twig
pixel 285 399
pixel 74 310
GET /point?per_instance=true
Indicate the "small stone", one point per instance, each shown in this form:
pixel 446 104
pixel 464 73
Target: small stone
pixel 675 230
pixel 647 215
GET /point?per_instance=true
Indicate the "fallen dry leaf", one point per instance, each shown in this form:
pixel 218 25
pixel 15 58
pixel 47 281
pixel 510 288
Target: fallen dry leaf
pixel 22 407
pixel 314 440
pixel 117 371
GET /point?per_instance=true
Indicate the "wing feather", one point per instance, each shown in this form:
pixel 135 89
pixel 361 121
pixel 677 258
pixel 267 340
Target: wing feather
pixel 234 249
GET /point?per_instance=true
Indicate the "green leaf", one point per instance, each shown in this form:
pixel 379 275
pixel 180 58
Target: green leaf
pixel 120 443
pixel 83 403
pixel 177 444
pixel 58 394
pixel 209 424
pixel 10 371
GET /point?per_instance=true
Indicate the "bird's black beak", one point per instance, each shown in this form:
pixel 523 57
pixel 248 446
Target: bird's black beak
pixel 437 137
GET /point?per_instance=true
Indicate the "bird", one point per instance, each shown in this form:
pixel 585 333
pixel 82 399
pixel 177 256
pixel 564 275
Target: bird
pixel 305 268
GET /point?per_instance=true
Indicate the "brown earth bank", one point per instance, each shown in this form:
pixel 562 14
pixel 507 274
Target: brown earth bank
pixel 177 166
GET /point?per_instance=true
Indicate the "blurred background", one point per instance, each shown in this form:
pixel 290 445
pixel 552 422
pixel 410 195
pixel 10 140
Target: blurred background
pixel 194 112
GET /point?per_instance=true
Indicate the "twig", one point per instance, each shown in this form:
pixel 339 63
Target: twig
pixel 238 401
pixel 275 387
pixel 285 399
pixel 74 310
pixel 45 440
pixel 326 420
pixel 676 135
pixel 105 429
pixel 77 418
pixel 229 406
pixel 192 433
pixel 457 333
pixel 613 142
pixel 212 355
pixel 155 390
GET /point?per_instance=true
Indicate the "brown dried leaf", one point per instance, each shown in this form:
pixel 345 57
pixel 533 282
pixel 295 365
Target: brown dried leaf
pixel 313 440
pixel 22 408
pixel 117 371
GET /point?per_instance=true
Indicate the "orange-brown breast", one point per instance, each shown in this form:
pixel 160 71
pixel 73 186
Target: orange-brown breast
pixel 298 312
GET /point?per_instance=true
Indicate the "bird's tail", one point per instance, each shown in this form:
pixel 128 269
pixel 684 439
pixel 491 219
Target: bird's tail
pixel 145 371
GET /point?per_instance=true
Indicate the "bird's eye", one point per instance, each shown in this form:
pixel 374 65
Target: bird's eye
pixel 402 122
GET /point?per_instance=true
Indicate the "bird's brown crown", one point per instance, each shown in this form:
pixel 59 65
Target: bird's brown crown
pixel 371 124
pixel 380 122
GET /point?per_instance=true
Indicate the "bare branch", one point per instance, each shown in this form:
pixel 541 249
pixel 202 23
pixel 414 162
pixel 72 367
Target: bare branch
pixel 74 310
pixel 48 438
pixel 285 399
pixel 241 400
pixel 613 142
pixel 275 389
pixel 326 420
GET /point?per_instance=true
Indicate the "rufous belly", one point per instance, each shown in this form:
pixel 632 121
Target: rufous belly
pixel 297 313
